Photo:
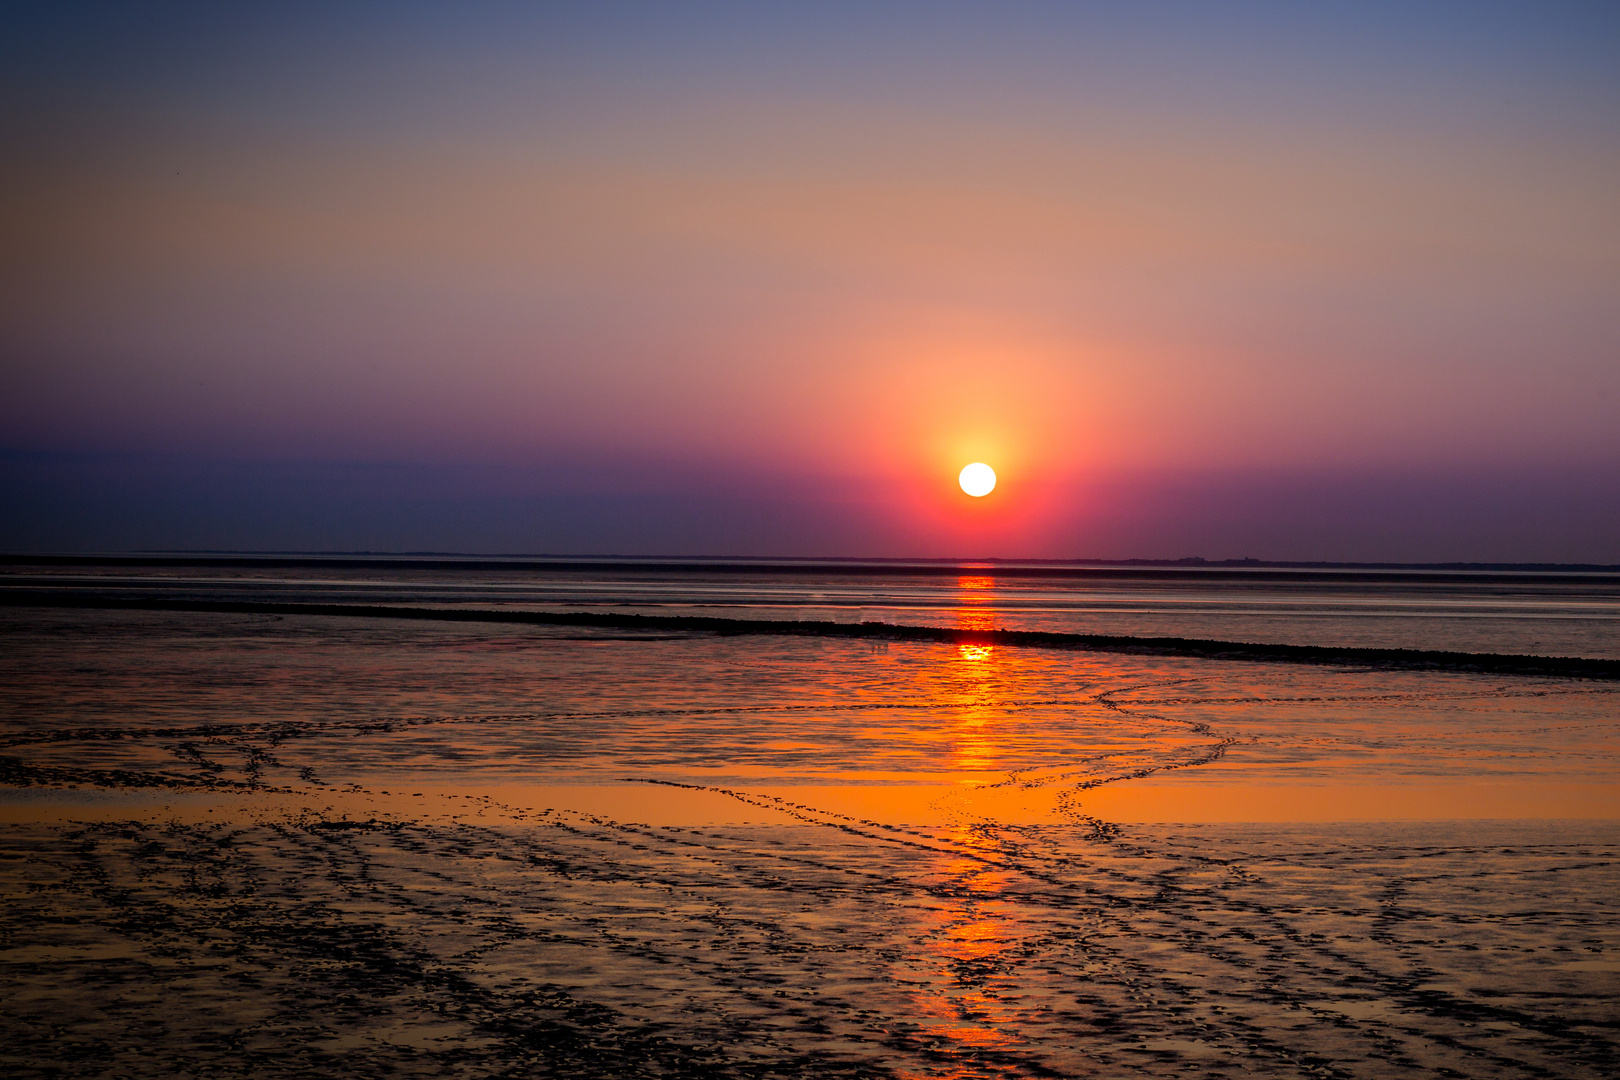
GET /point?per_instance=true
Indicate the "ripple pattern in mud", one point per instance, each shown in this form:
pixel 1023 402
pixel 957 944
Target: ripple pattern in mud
pixel 580 946
pixel 274 931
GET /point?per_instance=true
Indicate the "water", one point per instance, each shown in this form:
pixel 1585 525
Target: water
pixel 1546 613
pixel 255 699
pixel 268 844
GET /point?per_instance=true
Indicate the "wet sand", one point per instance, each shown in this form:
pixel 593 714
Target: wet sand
pixel 239 846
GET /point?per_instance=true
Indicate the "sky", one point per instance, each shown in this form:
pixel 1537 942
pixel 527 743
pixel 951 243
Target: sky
pixel 1273 280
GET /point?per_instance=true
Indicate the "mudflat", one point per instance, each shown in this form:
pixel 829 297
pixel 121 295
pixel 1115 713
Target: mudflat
pixel 250 845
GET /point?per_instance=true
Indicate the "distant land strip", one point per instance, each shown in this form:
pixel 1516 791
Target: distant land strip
pixel 1348 656
pixel 1245 570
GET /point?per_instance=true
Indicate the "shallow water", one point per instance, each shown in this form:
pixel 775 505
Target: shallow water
pixel 191 699
pixel 265 845
pixel 1547 614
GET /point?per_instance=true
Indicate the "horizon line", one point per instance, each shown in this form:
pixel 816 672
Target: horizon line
pixel 1187 562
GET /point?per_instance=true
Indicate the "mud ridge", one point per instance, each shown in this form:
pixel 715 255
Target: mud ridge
pixel 1348 656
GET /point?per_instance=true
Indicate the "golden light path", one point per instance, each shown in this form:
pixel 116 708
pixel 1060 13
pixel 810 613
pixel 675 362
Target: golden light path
pixel 977 479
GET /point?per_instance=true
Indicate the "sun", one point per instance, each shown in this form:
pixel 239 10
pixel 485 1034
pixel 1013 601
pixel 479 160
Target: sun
pixel 978 479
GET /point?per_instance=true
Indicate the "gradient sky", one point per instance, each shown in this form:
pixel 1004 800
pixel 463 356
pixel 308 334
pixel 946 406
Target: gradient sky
pixel 1289 281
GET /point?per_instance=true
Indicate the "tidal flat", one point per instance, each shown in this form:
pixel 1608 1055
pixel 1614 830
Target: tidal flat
pixel 255 845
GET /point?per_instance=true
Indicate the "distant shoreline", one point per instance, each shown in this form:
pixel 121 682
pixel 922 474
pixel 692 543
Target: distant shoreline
pixel 1077 569
pixel 1349 656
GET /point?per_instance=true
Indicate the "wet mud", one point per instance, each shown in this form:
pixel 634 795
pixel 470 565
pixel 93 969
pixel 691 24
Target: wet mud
pixel 564 945
pixel 235 845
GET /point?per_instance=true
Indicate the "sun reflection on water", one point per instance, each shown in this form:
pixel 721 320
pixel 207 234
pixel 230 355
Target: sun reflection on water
pixel 975 613
pixel 975 749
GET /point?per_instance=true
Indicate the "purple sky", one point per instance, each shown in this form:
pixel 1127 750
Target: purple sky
pixel 1272 280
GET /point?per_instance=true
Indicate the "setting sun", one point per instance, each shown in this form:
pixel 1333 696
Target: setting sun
pixel 978 479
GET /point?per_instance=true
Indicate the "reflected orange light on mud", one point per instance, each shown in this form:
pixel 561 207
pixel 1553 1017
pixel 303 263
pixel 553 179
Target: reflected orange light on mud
pixel 969 932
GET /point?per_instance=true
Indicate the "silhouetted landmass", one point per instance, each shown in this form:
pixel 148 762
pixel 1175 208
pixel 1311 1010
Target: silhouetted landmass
pixel 1073 569
pixel 1403 659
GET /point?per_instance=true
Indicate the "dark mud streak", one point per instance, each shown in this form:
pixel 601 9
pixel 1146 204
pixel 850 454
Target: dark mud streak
pixel 1395 659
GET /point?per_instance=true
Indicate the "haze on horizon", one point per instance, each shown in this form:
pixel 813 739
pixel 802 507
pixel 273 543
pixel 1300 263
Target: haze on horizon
pixel 1271 280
